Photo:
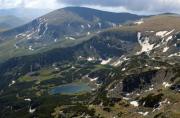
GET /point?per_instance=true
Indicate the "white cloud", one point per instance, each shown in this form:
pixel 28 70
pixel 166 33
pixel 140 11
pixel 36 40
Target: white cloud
pixel 135 6
pixel 39 4
pixel 50 4
pixel 106 8
pixel 4 4
pixel 143 6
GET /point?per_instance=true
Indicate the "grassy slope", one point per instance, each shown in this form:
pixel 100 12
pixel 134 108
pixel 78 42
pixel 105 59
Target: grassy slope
pixel 154 23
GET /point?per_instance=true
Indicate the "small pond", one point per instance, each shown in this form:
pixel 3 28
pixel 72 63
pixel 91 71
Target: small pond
pixel 70 88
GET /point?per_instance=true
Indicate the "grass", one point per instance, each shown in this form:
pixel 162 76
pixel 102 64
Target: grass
pixel 39 76
pixel 8 50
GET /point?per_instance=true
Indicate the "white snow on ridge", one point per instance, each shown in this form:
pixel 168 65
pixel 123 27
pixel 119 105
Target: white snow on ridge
pixel 139 35
pixel 164 33
pixel 165 49
pixel 139 22
pixel 89 26
pixel 46 28
pixel 123 69
pixel 88 33
pixel 143 113
pixel 70 38
pixel 168 33
pixel 125 98
pixel 134 103
pixel 120 61
pixel 12 83
pixel 104 62
pixel 30 48
pixel 157 67
pixel 93 79
pixel 32 110
pixel 175 54
pixel 166 84
pixel 55 40
pixel 29 36
pixel 161 33
pixel 91 59
pixel 145 45
pixel 150 89
pixel 20 35
pixel 100 25
pixel 149 31
pixel 169 38
pixel 27 99
pixel 82 26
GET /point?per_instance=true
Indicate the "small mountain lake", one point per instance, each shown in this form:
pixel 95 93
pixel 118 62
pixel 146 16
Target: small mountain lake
pixel 71 88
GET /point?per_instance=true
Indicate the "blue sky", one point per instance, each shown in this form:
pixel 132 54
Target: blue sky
pixel 134 6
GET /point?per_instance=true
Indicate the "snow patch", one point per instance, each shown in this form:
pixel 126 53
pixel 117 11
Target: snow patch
pixel 100 25
pixel 56 68
pixel 125 98
pixel 12 83
pixel 139 22
pixel 88 33
pixel 169 38
pixel 143 113
pixel 157 68
pixel 55 40
pixel 32 110
pixel 145 45
pixel 150 89
pixel 175 54
pixel 168 33
pixel 46 28
pixel 82 26
pixel 30 48
pixel 120 61
pixel 161 33
pixel 104 62
pixel 91 59
pixel 123 69
pixel 93 79
pixel 89 26
pixel 165 49
pixel 166 84
pixel 27 99
pixel 134 103
pixel 70 38
pixel 164 33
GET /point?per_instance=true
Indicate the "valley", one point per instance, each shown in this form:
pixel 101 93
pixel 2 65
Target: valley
pixel 91 64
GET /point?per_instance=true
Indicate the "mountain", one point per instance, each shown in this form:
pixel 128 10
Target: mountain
pixel 65 24
pixel 131 70
pixel 9 22
pixel 67 20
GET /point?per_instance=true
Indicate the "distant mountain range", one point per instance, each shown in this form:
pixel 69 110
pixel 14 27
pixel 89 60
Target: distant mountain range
pixel 10 22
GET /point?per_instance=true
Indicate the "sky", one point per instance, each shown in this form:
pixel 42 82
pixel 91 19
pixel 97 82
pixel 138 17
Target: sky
pixel 133 6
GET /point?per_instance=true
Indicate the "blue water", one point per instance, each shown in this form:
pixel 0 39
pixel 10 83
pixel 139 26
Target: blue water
pixel 70 88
